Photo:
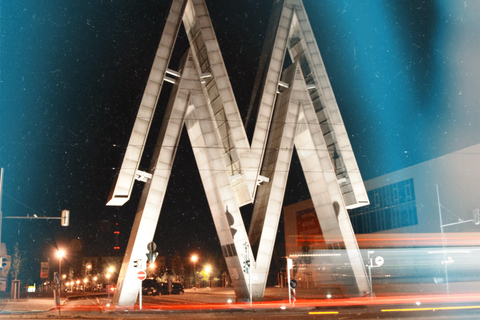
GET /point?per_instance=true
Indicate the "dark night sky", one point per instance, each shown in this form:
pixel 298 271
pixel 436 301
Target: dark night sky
pixel 405 74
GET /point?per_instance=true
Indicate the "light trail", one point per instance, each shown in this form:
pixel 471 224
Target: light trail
pixel 390 300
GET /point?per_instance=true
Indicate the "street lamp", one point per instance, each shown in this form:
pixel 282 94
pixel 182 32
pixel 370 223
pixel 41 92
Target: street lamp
pixel 194 259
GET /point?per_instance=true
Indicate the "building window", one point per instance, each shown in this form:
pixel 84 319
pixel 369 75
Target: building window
pixel 408 190
pixel 377 199
pixel 395 194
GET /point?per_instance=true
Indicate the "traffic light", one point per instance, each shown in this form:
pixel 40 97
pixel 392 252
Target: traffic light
pixel 65 218
pixel 246 266
pixel 140 264
pixel 3 262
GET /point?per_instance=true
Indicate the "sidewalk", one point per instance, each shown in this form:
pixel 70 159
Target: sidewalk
pixel 27 305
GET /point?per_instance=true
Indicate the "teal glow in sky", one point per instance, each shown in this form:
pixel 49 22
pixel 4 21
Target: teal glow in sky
pixel 405 76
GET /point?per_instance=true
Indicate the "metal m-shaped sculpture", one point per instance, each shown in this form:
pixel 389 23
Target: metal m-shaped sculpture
pixel 295 107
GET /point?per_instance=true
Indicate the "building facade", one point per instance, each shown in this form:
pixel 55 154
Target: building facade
pixel 422 220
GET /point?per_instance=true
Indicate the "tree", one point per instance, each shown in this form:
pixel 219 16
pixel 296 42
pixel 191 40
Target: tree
pixel 178 266
pixel 16 262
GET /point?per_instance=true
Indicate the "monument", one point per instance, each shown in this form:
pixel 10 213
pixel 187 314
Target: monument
pixel 290 107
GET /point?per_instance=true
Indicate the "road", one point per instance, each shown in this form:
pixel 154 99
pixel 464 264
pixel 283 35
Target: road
pixel 200 306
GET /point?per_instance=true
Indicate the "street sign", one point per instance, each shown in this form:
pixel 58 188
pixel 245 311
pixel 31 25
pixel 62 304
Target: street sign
pixel 152 256
pixel 57 279
pixel 44 269
pixel 379 261
pixel 151 246
pixel 141 275
pixel 293 283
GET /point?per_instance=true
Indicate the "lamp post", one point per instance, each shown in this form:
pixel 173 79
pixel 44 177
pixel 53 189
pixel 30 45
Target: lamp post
pixel 88 268
pixel 208 269
pixel 60 254
pixel 194 259
pixel 447 261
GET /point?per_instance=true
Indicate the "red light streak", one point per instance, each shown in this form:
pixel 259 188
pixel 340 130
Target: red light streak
pixel 312 303
pixel 397 240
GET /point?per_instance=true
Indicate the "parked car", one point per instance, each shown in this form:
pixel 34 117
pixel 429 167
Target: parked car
pixel 151 287
pixel 177 288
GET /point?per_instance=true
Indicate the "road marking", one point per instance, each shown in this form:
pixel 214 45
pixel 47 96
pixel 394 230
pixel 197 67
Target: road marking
pixel 432 309
pixel 323 312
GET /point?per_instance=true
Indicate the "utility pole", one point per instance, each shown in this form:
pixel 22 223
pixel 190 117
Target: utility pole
pixel 1 193
pixel 443 240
